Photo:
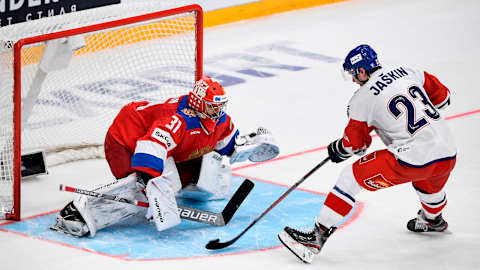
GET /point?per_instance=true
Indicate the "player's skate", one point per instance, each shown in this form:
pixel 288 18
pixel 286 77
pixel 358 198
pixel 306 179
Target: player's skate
pixel 422 224
pixel 70 221
pixel 305 245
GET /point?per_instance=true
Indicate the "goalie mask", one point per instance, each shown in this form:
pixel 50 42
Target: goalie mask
pixel 208 98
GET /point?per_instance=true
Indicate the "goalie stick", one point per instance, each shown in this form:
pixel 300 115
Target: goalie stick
pixel 188 213
pixel 216 244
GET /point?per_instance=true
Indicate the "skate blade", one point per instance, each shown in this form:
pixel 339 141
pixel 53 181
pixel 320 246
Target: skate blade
pixel 302 252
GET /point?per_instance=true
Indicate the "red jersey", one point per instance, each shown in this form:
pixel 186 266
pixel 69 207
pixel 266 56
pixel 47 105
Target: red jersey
pixel 155 131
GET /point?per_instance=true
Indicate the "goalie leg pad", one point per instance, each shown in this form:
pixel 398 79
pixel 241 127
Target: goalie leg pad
pixel 163 207
pixel 69 221
pixel 99 213
pixel 214 182
pixel 170 172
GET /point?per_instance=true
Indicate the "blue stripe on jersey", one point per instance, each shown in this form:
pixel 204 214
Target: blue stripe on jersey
pixel 192 122
pixel 222 119
pixel 426 164
pixel 344 193
pixel 147 161
pixel 183 102
pixel 228 149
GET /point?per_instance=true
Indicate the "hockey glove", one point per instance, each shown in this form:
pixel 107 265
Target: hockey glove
pixel 257 146
pixel 336 152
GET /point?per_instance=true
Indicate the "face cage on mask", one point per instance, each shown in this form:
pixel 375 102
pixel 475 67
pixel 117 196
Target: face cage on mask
pixel 216 110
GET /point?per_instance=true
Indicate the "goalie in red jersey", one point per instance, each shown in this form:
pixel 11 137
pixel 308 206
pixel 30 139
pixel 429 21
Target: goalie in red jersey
pixel 169 149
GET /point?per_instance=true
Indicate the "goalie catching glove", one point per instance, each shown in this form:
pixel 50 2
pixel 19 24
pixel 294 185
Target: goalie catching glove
pixel 257 147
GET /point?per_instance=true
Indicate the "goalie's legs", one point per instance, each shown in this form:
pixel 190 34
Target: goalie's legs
pixel 89 214
pixel 213 182
pixel 118 157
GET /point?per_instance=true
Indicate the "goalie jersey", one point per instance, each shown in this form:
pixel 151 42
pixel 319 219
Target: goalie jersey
pixel 401 105
pixel 155 131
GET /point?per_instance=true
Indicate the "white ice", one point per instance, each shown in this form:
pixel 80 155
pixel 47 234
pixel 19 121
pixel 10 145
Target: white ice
pixel 306 110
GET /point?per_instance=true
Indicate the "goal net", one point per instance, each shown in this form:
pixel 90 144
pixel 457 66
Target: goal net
pixel 64 79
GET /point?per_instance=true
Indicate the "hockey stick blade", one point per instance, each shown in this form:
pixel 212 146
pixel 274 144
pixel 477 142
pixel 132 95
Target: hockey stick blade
pixel 216 244
pixel 236 200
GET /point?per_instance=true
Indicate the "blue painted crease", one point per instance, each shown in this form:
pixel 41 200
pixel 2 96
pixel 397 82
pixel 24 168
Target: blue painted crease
pixel 138 239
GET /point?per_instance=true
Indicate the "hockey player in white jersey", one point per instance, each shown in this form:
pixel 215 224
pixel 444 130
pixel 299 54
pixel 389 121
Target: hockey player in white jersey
pixel 402 106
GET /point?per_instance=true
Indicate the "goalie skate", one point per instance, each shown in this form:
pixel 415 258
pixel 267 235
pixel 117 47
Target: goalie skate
pixel 69 221
pixel 305 245
pixel 422 224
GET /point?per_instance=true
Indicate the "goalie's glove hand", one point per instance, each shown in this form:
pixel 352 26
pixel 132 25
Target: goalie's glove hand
pixel 336 152
pixel 257 147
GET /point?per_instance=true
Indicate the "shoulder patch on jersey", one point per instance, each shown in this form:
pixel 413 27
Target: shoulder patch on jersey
pixel 165 138
pixel 188 114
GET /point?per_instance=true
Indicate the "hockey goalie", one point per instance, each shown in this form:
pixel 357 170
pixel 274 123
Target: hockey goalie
pixel 158 151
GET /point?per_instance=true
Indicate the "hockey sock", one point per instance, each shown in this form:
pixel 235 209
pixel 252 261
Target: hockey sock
pixel 432 203
pixel 340 200
pixel 337 205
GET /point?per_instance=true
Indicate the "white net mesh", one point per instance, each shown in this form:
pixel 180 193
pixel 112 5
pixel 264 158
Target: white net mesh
pixel 149 60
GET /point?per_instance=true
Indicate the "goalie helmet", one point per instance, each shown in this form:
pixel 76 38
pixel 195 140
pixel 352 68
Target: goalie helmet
pixel 208 98
pixel 362 56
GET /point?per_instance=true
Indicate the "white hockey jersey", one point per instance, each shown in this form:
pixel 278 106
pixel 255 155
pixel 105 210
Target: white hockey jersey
pixel 401 105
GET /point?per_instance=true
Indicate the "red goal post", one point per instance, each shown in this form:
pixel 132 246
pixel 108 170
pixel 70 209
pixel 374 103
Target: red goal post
pixel 64 82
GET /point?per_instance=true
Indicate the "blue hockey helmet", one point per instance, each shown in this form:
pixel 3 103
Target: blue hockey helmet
pixel 362 56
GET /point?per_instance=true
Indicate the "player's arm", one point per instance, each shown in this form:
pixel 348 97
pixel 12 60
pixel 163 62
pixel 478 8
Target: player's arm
pixel 153 149
pixel 438 93
pixel 226 144
pixel 356 139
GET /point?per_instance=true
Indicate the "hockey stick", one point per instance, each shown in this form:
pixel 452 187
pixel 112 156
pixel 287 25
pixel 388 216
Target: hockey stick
pixel 216 244
pixel 188 213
